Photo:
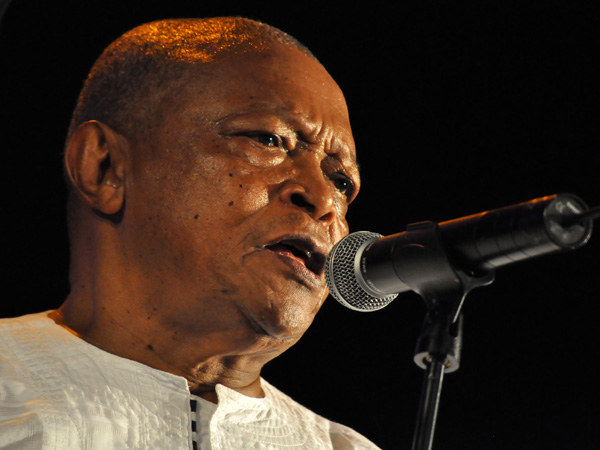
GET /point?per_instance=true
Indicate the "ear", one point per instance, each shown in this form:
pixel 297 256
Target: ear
pixel 96 163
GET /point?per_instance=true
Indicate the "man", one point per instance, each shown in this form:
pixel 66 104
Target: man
pixel 211 164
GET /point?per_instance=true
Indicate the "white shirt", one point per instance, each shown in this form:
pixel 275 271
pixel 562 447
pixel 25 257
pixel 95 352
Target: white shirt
pixel 57 392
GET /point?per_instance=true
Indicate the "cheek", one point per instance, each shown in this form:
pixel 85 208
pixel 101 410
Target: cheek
pixel 250 190
pixel 216 188
pixel 247 191
pixel 339 231
pixel 341 208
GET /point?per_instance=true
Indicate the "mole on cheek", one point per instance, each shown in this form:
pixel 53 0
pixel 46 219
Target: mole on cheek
pixel 231 203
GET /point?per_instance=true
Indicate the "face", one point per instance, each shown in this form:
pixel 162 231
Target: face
pixel 233 207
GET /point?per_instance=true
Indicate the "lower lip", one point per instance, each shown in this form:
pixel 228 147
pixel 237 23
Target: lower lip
pixel 300 269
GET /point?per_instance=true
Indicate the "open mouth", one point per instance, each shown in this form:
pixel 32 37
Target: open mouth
pixel 302 251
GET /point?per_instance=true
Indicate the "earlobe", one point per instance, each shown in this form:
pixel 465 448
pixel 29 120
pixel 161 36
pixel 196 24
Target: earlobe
pixel 95 162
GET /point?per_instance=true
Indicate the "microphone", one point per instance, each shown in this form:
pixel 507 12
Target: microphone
pixel 365 271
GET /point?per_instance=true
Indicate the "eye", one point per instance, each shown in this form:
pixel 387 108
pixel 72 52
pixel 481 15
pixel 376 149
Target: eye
pixel 266 139
pixel 343 184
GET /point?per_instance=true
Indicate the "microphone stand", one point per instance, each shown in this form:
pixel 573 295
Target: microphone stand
pixel 417 260
pixel 443 287
pixel 435 363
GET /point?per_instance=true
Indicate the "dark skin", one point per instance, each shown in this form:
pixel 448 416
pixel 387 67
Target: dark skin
pixel 206 274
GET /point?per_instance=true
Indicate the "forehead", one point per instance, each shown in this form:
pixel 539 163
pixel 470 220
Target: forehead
pixel 283 83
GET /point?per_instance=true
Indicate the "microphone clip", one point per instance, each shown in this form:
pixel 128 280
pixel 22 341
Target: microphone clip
pixel 420 256
pixel 444 287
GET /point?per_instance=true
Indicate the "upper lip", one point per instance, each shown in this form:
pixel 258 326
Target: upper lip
pixel 315 251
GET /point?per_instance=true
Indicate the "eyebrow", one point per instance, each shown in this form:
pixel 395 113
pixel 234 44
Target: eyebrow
pixel 346 158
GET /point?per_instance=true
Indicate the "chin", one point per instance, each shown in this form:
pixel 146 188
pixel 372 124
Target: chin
pixel 281 307
pixel 287 323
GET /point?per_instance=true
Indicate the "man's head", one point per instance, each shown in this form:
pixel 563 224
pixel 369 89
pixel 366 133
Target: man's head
pixel 208 195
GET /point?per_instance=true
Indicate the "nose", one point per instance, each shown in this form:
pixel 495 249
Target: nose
pixel 314 197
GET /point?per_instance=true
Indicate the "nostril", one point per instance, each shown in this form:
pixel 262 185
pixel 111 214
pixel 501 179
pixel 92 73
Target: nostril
pixel 300 201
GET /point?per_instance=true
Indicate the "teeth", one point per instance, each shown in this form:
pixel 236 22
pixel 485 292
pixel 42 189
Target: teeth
pixel 308 254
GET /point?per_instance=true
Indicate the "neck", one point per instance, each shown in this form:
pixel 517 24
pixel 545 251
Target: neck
pixel 232 357
pixel 141 312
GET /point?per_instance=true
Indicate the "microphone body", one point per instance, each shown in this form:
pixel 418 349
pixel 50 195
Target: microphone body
pixel 366 271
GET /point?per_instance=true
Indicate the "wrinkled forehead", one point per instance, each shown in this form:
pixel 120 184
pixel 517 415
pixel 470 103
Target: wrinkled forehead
pixel 279 80
pixel 277 76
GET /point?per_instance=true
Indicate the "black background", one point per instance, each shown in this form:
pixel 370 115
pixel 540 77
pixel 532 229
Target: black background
pixel 457 107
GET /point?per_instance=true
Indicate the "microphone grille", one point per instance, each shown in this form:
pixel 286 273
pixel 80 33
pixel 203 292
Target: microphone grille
pixel 340 274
